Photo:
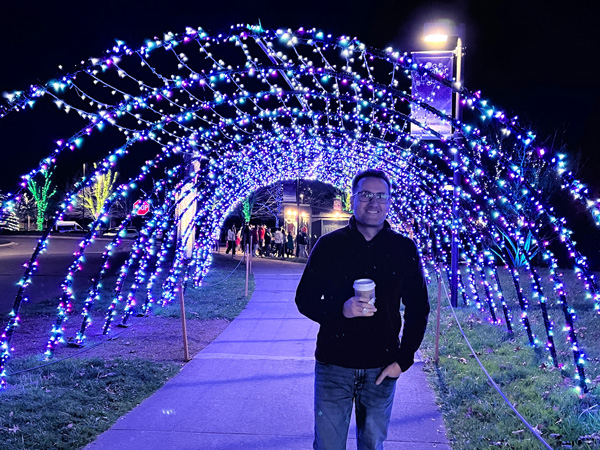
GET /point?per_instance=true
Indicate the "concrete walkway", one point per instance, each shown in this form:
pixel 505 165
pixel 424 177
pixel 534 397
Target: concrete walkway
pixel 252 387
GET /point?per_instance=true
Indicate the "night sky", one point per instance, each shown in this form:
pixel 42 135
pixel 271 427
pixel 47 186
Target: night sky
pixel 535 59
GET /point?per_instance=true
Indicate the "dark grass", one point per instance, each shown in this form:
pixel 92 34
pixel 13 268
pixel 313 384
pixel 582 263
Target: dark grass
pixel 68 403
pixel 476 415
pixel 226 280
pixel 221 295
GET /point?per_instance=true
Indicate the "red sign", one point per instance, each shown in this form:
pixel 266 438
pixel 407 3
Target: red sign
pixel 141 207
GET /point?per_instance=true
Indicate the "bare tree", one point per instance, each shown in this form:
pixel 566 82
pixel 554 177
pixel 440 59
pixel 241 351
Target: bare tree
pixel 26 209
pixel 268 202
pixel 320 194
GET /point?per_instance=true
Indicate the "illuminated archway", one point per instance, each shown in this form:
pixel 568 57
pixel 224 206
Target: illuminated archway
pixel 206 120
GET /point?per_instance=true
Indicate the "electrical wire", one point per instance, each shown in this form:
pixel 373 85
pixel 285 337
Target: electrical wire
pixel 54 361
pixel 100 343
pixel 224 279
pixel 490 379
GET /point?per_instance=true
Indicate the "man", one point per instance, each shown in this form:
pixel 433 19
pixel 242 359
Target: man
pixel 359 354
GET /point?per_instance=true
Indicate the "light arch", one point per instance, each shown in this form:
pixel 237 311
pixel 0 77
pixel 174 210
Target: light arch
pixel 221 116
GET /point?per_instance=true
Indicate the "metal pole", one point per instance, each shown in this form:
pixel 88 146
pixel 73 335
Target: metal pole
pixel 454 255
pixel 186 352
pixel 297 247
pixel 83 197
pixel 456 183
pixel 458 51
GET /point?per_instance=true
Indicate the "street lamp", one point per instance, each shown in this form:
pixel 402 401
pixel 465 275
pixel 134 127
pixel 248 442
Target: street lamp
pixel 438 37
pixel 442 58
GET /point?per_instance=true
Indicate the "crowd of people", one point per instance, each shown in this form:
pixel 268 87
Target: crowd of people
pixel 267 242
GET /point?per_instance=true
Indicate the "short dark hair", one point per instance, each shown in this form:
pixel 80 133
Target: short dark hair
pixel 374 173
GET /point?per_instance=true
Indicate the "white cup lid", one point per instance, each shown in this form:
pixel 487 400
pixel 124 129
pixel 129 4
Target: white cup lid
pixel 364 284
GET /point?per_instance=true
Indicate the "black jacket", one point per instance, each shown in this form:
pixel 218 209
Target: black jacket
pixel 389 259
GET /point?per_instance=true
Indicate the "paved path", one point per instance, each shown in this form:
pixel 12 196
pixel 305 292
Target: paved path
pixel 252 387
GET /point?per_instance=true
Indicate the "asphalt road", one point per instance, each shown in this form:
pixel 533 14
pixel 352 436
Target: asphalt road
pixel 16 251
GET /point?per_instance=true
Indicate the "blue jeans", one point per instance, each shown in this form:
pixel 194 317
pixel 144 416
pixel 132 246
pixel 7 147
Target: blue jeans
pixel 336 388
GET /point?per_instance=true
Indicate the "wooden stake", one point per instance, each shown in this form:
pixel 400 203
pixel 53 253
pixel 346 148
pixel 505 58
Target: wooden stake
pixel 251 254
pixel 186 351
pixel 437 325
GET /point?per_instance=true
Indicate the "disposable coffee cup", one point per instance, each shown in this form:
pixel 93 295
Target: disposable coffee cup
pixel 365 288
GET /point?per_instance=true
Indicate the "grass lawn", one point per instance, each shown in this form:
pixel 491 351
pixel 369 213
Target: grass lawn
pixel 476 415
pixel 66 404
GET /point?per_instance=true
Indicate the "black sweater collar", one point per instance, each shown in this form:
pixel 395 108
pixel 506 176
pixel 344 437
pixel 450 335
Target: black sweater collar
pixel 354 228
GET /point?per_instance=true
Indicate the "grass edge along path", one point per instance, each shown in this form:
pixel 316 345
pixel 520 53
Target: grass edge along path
pixel 66 405
pixel 476 416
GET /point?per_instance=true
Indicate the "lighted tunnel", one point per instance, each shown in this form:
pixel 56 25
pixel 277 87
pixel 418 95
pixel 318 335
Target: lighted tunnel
pixel 199 122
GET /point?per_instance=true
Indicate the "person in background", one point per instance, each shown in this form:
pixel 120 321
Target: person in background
pixel 289 252
pixel 302 239
pixel 254 239
pixel 231 245
pixel 245 237
pixel 359 354
pixel 267 247
pixel 261 239
pixel 298 244
pixel 279 238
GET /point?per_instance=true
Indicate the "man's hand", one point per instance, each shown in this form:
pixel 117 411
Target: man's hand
pixel 358 307
pixel 392 371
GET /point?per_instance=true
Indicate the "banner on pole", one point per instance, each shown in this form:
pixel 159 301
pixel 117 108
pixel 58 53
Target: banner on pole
pixel 433 93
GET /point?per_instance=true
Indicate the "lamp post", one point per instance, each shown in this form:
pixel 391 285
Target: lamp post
pixel 457 182
pixel 83 197
pixel 438 35
pixel 298 205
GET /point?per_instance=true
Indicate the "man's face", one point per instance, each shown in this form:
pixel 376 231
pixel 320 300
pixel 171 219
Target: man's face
pixel 371 213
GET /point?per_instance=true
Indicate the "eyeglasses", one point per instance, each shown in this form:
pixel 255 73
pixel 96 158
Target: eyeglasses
pixel 366 196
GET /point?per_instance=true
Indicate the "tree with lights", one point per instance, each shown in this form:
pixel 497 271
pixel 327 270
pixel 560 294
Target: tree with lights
pixel 8 218
pixel 247 206
pixel 92 198
pixel 42 193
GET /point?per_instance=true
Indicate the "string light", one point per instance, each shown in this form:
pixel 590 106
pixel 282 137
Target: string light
pixel 253 107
